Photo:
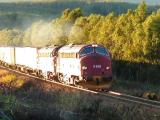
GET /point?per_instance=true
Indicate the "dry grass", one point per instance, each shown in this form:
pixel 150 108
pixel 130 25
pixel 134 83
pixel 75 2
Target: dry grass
pixel 80 106
pixel 3 72
pixel 8 78
pixel 11 80
pixel 136 88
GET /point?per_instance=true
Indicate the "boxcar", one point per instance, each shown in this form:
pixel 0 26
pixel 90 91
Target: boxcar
pixel 26 56
pixel 7 55
pixel 46 61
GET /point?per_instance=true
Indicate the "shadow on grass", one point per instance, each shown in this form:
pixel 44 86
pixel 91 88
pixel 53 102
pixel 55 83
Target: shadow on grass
pixel 37 102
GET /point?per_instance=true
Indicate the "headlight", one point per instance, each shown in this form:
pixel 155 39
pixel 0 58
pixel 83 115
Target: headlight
pixel 84 68
pixel 107 68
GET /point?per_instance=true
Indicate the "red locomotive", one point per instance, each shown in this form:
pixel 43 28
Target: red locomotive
pixel 87 65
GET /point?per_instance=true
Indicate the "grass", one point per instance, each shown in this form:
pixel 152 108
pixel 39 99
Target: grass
pixel 38 101
pixel 136 88
pixel 8 78
pixel 60 105
pixel 11 80
pixel 6 106
pixel 3 72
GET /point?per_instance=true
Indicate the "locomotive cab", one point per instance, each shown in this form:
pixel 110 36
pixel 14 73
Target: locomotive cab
pixel 96 67
pixel 86 65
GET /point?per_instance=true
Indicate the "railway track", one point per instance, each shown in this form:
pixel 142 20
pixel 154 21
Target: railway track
pixel 133 99
pixel 110 94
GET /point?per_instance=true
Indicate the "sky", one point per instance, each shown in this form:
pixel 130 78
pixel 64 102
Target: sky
pixel 22 0
pixel 151 2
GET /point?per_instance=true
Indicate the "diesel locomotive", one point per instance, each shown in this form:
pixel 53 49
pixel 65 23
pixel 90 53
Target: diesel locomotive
pixel 85 65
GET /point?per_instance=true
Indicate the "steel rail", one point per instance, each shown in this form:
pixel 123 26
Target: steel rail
pixel 133 99
pixel 136 98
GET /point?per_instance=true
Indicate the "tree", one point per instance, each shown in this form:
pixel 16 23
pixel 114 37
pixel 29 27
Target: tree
pixel 11 37
pixel 140 12
pixel 152 31
pixel 65 23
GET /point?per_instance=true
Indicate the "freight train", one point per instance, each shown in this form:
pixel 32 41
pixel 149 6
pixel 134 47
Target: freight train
pixel 85 65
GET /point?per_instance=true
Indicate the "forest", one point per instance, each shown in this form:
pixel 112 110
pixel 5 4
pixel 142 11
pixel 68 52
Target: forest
pixel 132 37
pixel 22 14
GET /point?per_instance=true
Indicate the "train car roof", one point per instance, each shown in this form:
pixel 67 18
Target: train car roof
pixel 50 47
pixel 71 48
pixel 7 46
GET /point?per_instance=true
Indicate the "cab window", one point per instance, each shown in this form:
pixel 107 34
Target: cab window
pixel 86 51
pixel 101 51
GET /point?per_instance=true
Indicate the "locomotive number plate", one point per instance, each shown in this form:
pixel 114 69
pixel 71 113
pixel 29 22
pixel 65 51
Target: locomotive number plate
pixel 96 66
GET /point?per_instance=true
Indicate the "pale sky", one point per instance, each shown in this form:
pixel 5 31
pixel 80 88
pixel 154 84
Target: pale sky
pixel 152 2
pixel 23 0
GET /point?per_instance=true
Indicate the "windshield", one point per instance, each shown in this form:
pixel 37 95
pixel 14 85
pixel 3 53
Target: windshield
pixel 86 51
pixel 101 50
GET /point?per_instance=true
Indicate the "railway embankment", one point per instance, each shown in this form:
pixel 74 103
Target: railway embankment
pixel 23 97
pixel 147 90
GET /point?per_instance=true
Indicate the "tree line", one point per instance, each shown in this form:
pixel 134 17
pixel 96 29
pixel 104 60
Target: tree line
pixel 132 36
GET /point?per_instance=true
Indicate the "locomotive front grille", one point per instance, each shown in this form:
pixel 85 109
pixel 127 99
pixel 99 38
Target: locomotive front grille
pixel 98 80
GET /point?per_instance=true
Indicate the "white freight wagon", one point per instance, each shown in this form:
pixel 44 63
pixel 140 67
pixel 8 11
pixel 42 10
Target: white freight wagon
pixel 46 61
pixel 7 54
pixel 26 56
